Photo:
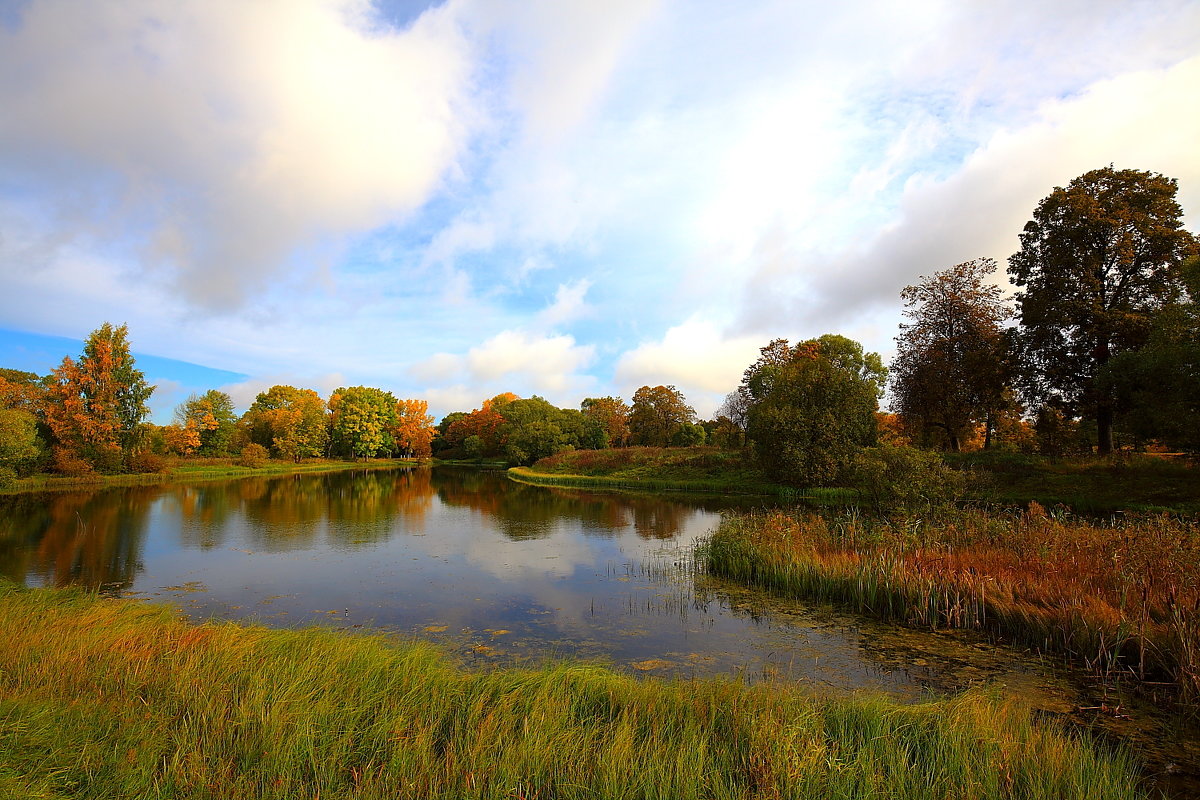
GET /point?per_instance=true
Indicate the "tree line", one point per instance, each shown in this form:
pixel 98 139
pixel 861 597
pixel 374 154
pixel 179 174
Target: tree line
pixel 88 415
pixel 1100 340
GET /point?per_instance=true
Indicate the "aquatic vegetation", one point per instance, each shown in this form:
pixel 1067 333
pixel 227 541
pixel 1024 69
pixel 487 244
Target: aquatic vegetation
pixel 1121 596
pixel 110 698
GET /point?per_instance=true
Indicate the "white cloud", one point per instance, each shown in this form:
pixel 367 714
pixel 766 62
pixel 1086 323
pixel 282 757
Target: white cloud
pixel 223 135
pixel 694 356
pixel 568 305
pixel 1133 121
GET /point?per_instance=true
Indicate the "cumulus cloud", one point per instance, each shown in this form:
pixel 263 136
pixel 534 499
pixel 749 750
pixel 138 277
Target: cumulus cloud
pixel 696 357
pixel 219 136
pixel 1132 121
pixel 512 360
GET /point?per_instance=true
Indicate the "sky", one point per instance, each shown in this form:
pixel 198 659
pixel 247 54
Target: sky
pixel 567 198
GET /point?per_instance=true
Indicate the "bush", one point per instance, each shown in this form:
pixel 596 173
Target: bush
pixel 146 461
pixel 8 477
pixel 68 462
pixel 253 456
pixel 891 477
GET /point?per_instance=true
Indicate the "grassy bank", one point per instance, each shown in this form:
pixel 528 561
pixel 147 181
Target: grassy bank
pixel 1133 482
pixel 709 470
pixel 112 699
pixel 196 470
pixel 1120 597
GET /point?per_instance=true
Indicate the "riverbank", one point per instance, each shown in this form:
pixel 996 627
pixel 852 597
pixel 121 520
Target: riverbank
pixel 113 698
pixel 186 471
pixel 1131 482
pixel 1120 597
pixel 706 470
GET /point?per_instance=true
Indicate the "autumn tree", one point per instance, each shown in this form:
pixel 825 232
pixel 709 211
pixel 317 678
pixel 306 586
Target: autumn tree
pixel 414 429
pixel 658 413
pixel 94 405
pixel 949 371
pixel 812 407
pixel 289 422
pixel 612 415
pixel 482 426
pixel 211 417
pixel 1099 258
pixel 363 419
pixel 21 389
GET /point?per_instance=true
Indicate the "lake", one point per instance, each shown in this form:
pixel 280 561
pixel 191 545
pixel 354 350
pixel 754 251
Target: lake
pixel 497 571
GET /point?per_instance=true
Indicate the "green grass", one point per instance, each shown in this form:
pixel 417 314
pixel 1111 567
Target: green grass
pixel 114 699
pixel 708 470
pixel 187 470
pixel 1125 482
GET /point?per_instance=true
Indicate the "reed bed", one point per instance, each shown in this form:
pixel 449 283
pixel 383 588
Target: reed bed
pixel 115 699
pixel 1121 596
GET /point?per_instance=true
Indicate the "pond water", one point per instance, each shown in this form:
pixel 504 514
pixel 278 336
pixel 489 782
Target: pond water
pixel 499 573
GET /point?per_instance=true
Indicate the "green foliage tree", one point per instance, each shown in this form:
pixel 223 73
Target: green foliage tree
pixel 657 414
pixel 949 372
pixel 211 416
pixel 20 445
pixel 1097 261
pixel 1156 389
pixel 363 421
pixel 813 408
pixel 534 429
pixel 290 422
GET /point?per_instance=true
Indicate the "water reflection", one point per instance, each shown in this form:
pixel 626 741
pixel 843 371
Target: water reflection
pixel 498 570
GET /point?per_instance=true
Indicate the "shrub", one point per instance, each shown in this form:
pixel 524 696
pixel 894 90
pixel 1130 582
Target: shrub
pixel 146 461
pixel 253 456
pixel 8 477
pixel 892 477
pixel 68 462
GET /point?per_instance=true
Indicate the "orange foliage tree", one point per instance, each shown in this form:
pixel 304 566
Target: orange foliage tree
pixel 95 406
pixel 414 428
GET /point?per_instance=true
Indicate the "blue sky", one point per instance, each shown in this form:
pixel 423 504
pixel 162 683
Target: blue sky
pixel 450 200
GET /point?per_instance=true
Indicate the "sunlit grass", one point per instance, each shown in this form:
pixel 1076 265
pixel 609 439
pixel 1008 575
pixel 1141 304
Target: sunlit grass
pixel 112 699
pixel 1121 597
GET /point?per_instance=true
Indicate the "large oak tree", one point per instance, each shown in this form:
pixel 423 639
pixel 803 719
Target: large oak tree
pixel 1099 258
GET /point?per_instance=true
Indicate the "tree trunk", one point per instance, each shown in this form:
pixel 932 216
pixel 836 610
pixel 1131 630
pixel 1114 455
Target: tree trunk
pixel 1104 429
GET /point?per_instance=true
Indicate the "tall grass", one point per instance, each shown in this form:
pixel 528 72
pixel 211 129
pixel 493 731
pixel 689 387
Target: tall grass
pixel 110 699
pixel 1121 597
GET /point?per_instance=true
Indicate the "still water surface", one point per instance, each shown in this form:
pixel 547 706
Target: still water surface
pixel 499 572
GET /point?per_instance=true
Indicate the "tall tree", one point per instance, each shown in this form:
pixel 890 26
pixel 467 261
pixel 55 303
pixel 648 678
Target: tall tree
pixel 1099 258
pixel 658 413
pixel 612 415
pixel 211 416
pixel 813 407
pixel 95 405
pixel 948 373
pixel 414 428
pixel 363 421
pixel 290 422
pixel 1157 388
